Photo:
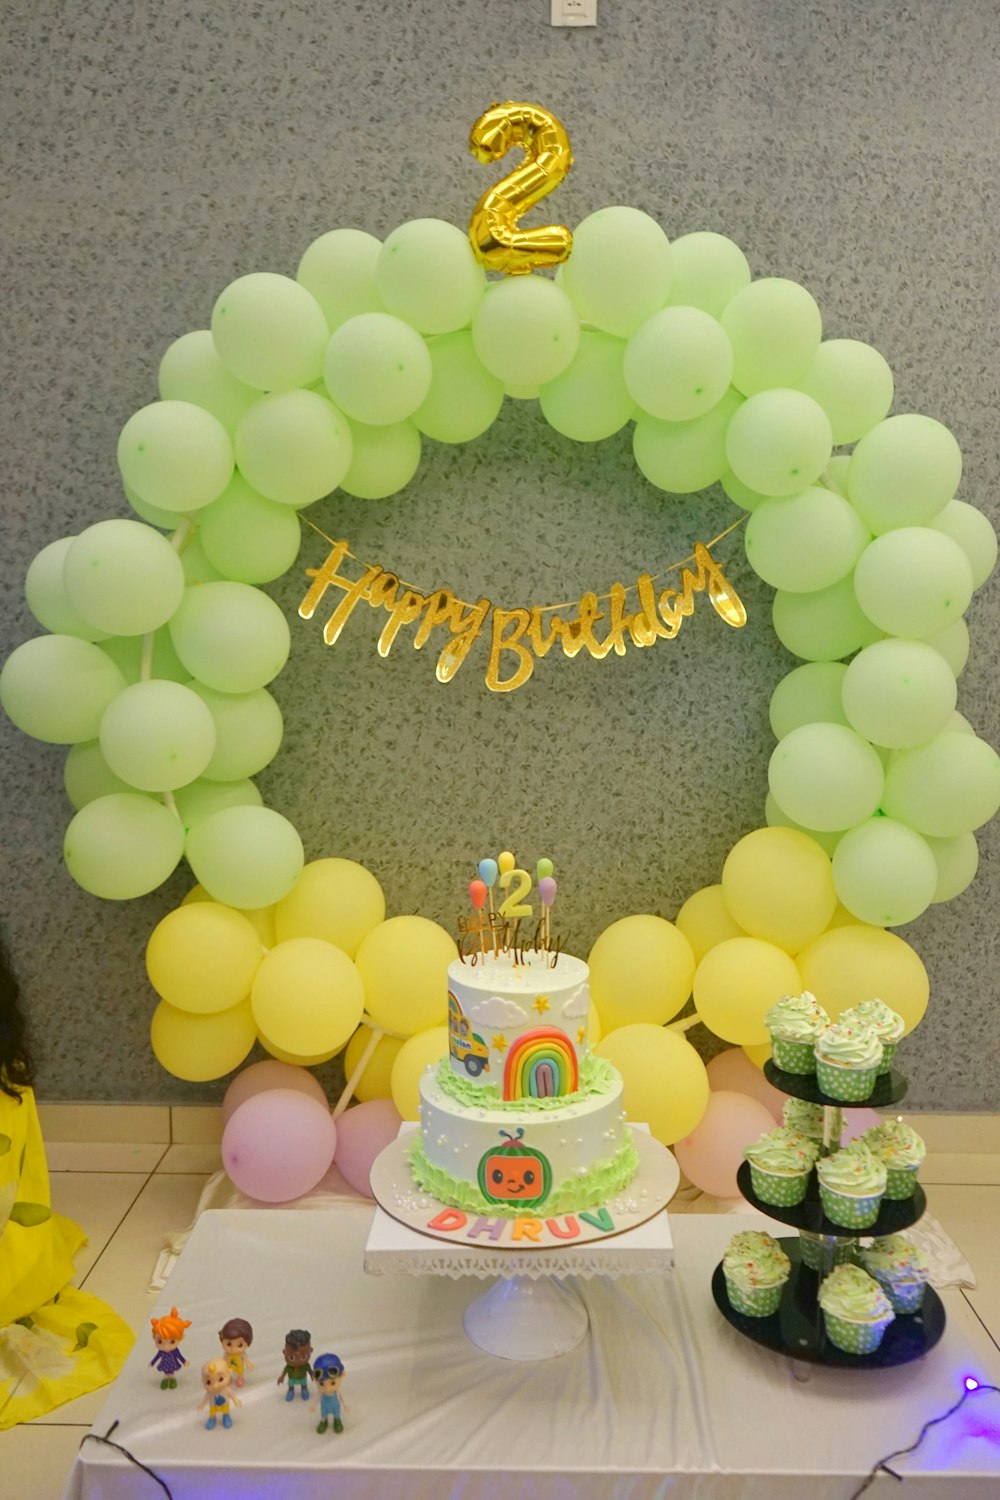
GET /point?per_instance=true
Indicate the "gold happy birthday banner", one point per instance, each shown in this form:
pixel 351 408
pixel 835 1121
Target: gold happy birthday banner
pixel 518 636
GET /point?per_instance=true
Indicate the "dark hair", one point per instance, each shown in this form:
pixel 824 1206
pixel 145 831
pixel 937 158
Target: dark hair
pixel 328 1364
pixel 297 1338
pixel 15 1059
pixel 237 1328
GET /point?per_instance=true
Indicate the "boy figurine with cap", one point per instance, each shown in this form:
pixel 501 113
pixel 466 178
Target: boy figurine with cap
pixel 217 1378
pixel 298 1351
pixel 328 1373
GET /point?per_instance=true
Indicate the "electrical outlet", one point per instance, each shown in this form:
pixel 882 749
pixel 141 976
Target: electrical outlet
pixel 574 13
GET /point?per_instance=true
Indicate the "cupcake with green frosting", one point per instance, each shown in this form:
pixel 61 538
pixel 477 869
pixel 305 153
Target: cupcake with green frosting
pixel 848 1057
pixel 795 1022
pixel 856 1311
pixel 902 1150
pixel 780 1163
pixel 756 1269
pixel 799 1114
pixel 887 1025
pixel 900 1269
pixel 851 1186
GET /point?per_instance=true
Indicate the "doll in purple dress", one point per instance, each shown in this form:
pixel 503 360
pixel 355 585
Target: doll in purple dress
pixel 167 1334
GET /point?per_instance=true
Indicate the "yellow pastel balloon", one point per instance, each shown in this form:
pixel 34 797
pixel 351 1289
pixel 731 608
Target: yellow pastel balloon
pixel 262 917
pixel 758 1053
pixel 594 1032
pixel 706 920
pixel 641 969
pixel 307 998
pixel 333 899
pixel 417 1054
pixel 203 957
pixel 854 963
pixel 737 982
pixel 199 1048
pixel 298 1060
pixel 666 1083
pixel 376 1081
pixel 404 966
pixel 778 885
pixel 841 918
pixel 505 862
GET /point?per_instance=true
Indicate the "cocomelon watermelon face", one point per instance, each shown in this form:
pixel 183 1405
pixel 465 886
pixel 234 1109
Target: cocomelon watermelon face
pixel 514 1173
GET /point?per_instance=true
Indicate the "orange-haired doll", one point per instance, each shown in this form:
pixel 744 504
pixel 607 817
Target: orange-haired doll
pixel 167 1334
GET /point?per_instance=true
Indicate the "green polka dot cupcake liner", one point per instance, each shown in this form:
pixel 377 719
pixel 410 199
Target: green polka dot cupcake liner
pixel 846 1084
pixel 900 1182
pixel 855 1337
pixel 811 1253
pixel 780 1189
pixel 792 1057
pixel 888 1053
pixel 850 1212
pixel 904 1296
pixel 759 1302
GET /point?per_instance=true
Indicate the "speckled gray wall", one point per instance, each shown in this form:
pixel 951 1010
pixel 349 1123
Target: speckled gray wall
pixel 153 151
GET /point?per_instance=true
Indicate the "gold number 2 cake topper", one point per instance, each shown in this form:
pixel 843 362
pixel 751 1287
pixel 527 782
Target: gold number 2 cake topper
pixel 493 229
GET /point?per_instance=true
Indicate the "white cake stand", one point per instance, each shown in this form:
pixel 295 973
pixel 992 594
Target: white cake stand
pixel 529 1313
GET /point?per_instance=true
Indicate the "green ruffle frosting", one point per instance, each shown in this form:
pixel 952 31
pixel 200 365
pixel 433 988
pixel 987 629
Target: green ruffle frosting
pixel 849 1292
pixel 595 1186
pixel 854 1170
pixel 754 1259
pixel 897 1258
pixel 853 1044
pixel 597 1076
pixel 896 1143
pixel 782 1150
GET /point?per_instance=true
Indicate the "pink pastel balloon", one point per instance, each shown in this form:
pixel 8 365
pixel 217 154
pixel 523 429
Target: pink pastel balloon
pixel 271 1074
pixel 278 1144
pixel 856 1122
pixel 734 1071
pixel 362 1132
pixel 710 1156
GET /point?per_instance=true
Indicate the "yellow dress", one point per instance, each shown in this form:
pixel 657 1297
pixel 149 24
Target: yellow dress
pixel 56 1342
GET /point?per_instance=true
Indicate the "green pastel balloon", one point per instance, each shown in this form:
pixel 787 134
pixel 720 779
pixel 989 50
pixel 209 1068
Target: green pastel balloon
pixel 230 636
pixel 618 273
pixel 957 861
pixel 247 537
pixel 589 401
pixel 196 565
pixel 779 442
pixel 46 595
pixel 678 364
pixel 293 447
pixel 958 724
pixel 805 542
pixel 945 788
pixel 825 776
pixel 385 459
pixel 339 270
pixel 834 476
pixel 884 873
pixel 913 582
pixel 518 392
pixel 808 695
pixel 377 369
pixel 191 370
pixel 683 457
pixel 248 732
pixel 166 520
pixel 87 775
pixel 127 651
pixel 852 383
pixel 774 327
pixel 899 693
pixel 904 472
pixel 123 577
pixel 774 817
pixel 953 644
pixel 57 687
pixel 706 271
pixel 824 626
pixel 157 736
pixel 123 846
pixel 245 856
pixel 201 798
pixel 428 275
pixel 741 494
pixel 525 330
pixel 464 398
pixel 175 455
pixel 270 332
pixel 974 534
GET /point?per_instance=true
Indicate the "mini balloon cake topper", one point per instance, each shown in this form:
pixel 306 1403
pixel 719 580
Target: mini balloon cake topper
pixel 507 928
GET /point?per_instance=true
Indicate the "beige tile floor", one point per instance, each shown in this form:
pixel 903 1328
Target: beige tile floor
pixel 128 1197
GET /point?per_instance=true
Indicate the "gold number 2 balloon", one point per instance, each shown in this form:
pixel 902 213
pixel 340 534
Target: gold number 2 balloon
pixel 493 228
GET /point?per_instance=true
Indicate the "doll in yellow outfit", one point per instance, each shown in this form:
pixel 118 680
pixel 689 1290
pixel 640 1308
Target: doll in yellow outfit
pixel 50 1350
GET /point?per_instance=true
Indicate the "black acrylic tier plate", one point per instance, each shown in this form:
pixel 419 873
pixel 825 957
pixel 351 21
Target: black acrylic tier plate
pixel 889 1089
pixel 894 1215
pixel 796 1329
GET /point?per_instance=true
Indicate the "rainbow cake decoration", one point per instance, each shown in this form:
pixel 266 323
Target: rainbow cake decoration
pixel 541 1064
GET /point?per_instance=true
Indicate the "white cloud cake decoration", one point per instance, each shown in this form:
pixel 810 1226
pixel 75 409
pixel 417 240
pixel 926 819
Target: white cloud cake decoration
pixel 497 1013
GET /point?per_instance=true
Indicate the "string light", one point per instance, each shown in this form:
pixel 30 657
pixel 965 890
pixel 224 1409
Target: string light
pixel 970 1387
pixel 95 1437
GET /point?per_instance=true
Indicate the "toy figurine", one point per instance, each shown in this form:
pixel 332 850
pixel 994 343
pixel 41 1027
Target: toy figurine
pixel 167 1334
pixel 236 1336
pixel 298 1351
pixel 328 1373
pixel 217 1377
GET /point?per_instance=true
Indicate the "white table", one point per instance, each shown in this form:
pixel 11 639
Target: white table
pixel 664 1400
